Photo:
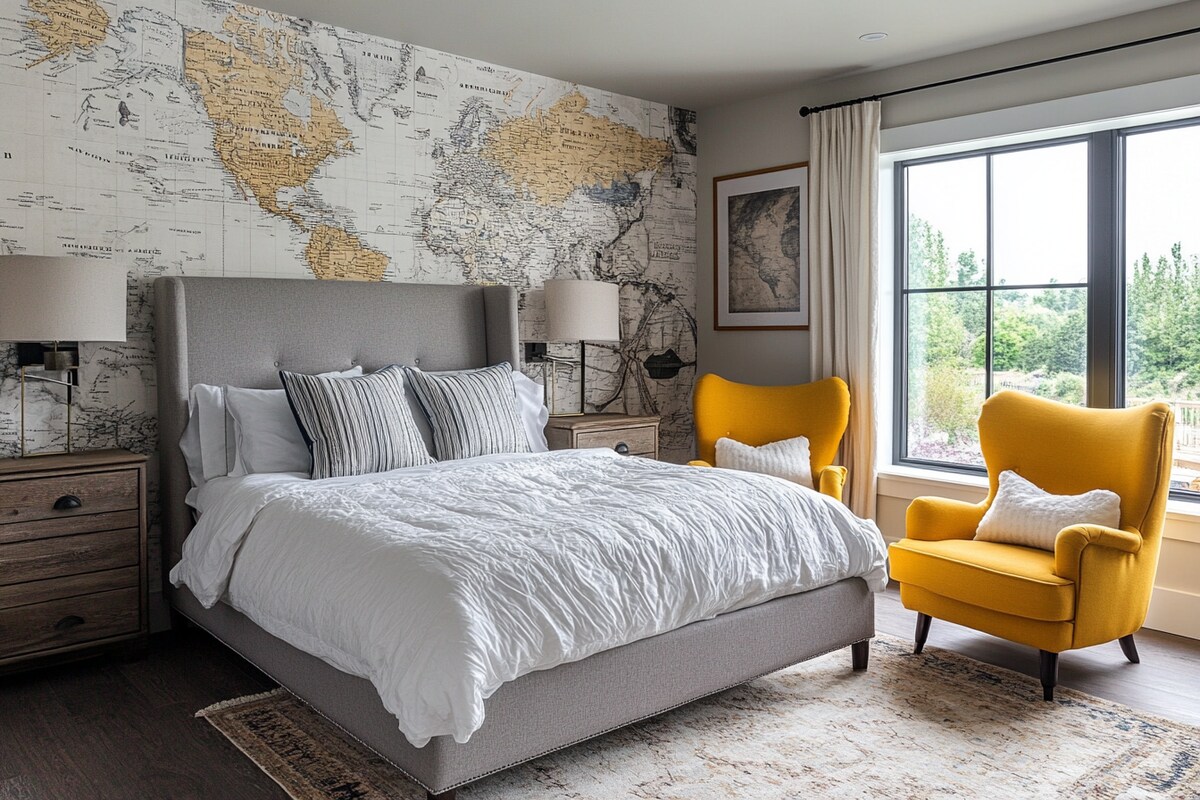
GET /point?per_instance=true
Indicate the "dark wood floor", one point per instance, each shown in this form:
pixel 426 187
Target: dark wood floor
pixel 113 730
pixel 1167 682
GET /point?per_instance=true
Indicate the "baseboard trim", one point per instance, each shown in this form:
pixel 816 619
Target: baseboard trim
pixel 1174 611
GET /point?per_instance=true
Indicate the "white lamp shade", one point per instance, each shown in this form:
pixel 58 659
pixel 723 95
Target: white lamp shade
pixel 53 299
pixel 578 311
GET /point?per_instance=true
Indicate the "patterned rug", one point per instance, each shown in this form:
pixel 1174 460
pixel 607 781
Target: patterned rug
pixel 934 725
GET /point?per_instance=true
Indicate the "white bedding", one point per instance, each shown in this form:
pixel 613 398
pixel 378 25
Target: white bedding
pixel 440 583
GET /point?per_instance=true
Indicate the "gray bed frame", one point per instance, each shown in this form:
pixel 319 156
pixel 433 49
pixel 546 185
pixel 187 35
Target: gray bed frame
pixel 242 331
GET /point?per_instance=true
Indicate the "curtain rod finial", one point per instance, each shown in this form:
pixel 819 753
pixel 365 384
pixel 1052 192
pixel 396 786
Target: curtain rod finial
pixel 805 111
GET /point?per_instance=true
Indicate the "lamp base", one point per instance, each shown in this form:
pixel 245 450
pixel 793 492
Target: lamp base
pixel 69 383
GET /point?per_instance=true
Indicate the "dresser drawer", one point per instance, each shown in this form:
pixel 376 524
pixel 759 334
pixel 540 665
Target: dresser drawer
pixel 68 555
pixel 641 440
pixel 74 620
pixel 23 594
pixel 65 526
pixel 97 492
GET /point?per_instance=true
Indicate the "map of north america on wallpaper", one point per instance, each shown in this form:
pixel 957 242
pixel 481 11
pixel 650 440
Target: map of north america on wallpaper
pixel 205 138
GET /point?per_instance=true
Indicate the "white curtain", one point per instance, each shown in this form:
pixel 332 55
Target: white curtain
pixel 843 261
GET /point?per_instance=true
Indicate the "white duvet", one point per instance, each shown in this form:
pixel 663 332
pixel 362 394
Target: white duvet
pixel 440 583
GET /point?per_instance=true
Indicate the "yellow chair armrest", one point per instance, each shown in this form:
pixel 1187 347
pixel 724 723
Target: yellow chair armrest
pixel 933 519
pixel 1071 542
pixel 699 463
pixel 830 481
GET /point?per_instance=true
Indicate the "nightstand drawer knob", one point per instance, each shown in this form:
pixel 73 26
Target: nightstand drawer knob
pixel 622 448
pixel 68 622
pixel 67 502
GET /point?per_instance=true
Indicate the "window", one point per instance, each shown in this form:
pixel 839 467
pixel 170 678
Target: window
pixel 1162 283
pixel 1067 268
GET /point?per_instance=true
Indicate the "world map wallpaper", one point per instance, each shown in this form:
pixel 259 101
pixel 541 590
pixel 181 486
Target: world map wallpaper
pixel 196 137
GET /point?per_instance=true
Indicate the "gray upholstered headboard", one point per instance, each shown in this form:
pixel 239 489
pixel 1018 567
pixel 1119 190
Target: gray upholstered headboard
pixel 242 331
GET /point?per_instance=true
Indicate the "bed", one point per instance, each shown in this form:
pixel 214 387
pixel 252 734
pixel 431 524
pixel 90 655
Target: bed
pixel 242 331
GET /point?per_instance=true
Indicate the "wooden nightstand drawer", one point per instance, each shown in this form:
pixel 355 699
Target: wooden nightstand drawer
pixel 636 441
pixel 75 620
pixel 625 433
pixel 65 526
pixel 95 492
pixel 23 594
pixel 73 578
pixel 68 555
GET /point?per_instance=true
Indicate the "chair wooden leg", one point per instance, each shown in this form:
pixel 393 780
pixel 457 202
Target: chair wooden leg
pixel 1049 672
pixel 450 795
pixel 860 653
pixel 1129 649
pixel 922 634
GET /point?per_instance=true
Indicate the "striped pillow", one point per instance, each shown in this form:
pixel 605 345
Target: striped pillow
pixel 355 426
pixel 472 412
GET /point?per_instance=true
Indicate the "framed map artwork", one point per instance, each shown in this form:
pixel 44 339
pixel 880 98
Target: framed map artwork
pixel 760 232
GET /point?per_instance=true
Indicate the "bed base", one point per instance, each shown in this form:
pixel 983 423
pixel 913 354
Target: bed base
pixel 548 710
pixel 242 331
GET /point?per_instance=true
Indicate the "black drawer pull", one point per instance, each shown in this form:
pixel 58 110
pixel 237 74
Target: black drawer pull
pixel 622 448
pixel 67 502
pixel 68 622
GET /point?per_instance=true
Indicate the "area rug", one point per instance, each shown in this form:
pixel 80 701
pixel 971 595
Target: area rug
pixel 912 726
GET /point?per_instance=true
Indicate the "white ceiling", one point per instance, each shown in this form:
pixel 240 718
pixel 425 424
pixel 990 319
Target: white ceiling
pixel 701 53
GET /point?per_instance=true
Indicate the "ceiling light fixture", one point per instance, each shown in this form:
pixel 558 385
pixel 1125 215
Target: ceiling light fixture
pixel 878 36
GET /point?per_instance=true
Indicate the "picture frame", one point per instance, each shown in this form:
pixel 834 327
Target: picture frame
pixel 760 250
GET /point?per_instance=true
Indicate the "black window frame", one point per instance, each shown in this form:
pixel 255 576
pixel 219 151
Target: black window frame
pixel 1105 285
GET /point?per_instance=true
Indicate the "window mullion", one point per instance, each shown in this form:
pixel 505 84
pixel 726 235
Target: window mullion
pixel 900 323
pixel 1105 309
pixel 989 281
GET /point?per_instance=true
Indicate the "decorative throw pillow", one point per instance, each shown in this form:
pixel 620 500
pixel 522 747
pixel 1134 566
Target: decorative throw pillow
pixel 531 408
pixel 788 459
pixel 265 430
pixel 1022 513
pixel 472 412
pixel 355 426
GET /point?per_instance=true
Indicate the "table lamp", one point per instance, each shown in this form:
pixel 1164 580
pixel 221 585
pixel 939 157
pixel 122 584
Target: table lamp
pixel 59 301
pixel 582 311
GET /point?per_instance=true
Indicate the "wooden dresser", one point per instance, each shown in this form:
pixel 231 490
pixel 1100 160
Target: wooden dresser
pixel 73 572
pixel 628 435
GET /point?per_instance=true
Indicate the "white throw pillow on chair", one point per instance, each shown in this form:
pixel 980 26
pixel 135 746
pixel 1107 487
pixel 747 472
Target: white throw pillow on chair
pixel 788 459
pixel 1024 514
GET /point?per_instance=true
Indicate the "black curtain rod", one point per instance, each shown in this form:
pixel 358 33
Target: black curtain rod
pixel 806 110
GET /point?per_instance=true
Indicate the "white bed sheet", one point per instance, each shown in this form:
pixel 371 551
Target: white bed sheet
pixel 440 583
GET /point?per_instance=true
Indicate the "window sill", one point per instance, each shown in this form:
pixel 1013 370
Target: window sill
pixel 909 483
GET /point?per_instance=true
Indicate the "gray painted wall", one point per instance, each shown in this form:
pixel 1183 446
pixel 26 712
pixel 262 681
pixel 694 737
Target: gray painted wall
pixel 768 131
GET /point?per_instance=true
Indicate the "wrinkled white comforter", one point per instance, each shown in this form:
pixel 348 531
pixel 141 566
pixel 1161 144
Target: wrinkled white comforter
pixel 440 583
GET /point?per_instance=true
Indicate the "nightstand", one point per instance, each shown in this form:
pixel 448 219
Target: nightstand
pixel 628 435
pixel 73 572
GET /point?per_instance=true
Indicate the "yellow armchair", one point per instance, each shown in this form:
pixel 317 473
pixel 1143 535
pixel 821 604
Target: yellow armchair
pixel 1095 587
pixel 758 415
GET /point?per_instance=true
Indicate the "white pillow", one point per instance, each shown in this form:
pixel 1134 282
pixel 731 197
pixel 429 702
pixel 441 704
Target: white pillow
pixel 788 459
pixel 216 438
pixel 207 440
pixel 1024 514
pixel 532 410
pixel 189 443
pixel 265 430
